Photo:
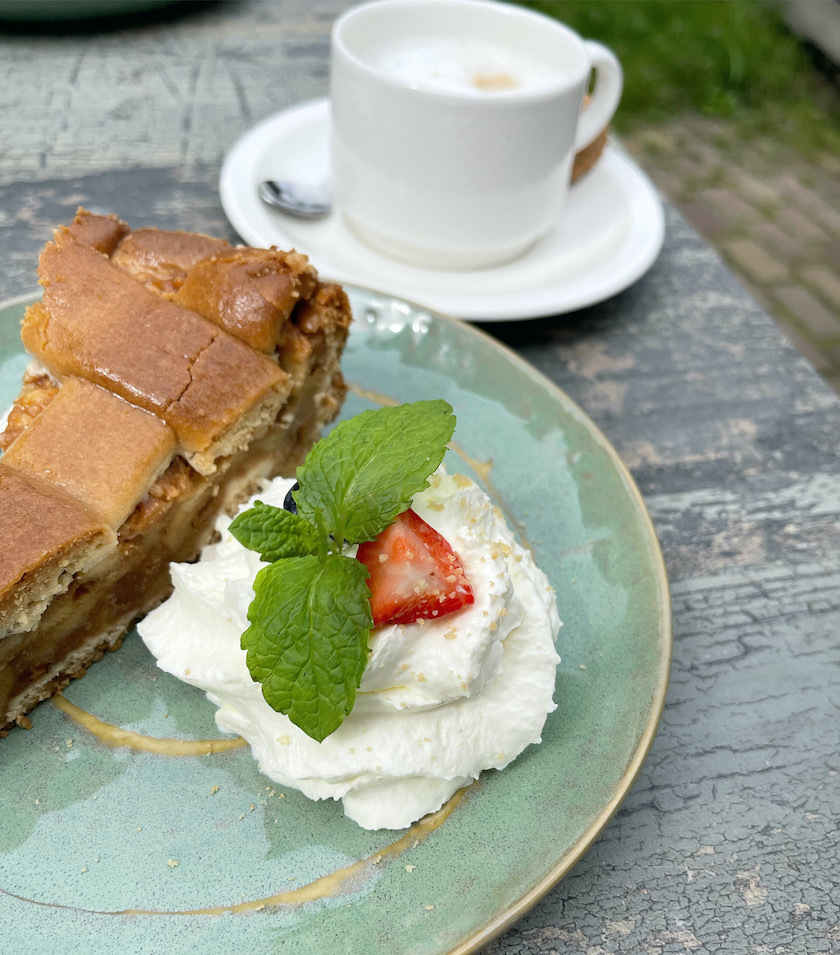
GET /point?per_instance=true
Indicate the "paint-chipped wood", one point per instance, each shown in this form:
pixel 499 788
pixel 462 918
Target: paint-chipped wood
pixel 729 840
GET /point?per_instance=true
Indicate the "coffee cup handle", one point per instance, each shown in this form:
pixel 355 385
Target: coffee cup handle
pixel 602 105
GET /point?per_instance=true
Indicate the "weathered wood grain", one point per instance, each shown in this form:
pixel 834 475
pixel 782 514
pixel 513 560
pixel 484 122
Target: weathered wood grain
pixel 729 840
pixel 174 93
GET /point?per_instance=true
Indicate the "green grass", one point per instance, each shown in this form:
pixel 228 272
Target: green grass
pixel 719 58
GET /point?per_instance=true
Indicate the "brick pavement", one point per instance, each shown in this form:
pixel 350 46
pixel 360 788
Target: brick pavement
pixel 773 215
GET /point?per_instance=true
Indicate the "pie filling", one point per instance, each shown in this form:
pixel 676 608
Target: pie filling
pixel 143 420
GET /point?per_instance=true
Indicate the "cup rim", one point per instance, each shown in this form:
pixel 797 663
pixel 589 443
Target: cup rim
pixel 488 97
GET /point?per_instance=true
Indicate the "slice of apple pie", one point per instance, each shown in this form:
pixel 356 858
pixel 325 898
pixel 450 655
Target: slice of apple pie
pixel 172 372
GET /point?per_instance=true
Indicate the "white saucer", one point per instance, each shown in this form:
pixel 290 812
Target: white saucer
pixel 609 235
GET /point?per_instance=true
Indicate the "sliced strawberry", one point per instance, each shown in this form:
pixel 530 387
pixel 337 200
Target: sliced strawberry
pixel 414 573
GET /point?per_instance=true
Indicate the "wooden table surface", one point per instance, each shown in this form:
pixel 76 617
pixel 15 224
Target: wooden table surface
pixel 728 841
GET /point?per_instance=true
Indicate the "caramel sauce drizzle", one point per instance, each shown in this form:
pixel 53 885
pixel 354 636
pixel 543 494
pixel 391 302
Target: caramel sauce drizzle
pixel 341 882
pixel 115 736
pixel 369 395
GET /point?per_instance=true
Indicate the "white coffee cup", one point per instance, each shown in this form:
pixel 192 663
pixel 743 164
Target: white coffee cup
pixel 455 124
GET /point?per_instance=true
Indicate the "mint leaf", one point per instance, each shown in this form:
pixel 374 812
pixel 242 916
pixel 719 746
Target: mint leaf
pixel 307 643
pixel 275 533
pixel 366 471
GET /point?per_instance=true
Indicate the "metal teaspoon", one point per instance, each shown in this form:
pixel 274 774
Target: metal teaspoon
pixel 305 201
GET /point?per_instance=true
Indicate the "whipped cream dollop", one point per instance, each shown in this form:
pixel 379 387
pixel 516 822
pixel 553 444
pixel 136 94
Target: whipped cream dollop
pixel 440 701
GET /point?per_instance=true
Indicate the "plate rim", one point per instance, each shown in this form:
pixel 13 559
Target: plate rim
pixel 664 636
pixel 551 302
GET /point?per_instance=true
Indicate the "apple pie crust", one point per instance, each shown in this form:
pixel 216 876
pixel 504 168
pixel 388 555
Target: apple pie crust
pixel 171 374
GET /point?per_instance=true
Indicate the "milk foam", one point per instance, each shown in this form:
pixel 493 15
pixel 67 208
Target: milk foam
pixel 456 65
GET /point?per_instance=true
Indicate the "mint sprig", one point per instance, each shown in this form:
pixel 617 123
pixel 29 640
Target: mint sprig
pixel 310 617
pixel 275 533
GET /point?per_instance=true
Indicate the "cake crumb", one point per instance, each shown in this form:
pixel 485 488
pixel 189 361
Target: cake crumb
pixel 172 863
pixel 581 667
pixel 214 790
pixel 37 802
pixel 410 868
pixel 139 828
pixel 429 908
pixel 252 807
pixel 242 816
pixel 84 869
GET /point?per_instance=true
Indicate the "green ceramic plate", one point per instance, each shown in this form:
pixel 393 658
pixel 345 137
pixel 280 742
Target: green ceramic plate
pixel 108 844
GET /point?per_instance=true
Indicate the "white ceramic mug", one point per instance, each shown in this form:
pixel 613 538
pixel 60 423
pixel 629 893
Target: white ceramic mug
pixel 455 124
